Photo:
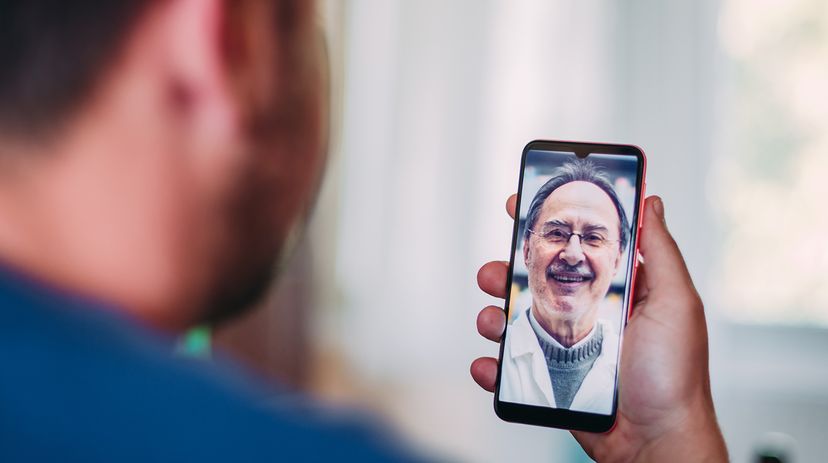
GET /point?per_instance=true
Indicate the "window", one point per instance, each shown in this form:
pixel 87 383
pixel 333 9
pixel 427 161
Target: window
pixel 772 184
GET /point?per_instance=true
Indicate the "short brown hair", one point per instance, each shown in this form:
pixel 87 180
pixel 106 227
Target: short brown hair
pixel 54 52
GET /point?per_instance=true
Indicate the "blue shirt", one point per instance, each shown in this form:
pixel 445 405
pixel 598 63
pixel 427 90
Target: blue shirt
pixel 80 382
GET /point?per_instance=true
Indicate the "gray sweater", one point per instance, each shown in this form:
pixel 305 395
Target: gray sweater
pixel 567 366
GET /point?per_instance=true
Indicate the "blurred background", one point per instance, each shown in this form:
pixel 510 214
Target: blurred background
pixel 434 102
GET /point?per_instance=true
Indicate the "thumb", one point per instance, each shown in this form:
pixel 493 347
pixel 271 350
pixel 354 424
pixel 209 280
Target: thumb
pixel 666 273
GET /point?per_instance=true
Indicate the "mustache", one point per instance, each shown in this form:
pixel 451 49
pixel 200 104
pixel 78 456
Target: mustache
pixel 559 267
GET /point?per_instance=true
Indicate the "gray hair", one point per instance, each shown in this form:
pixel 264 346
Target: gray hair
pixel 579 170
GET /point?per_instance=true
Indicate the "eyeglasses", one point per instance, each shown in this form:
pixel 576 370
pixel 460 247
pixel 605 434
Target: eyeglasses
pixel 554 234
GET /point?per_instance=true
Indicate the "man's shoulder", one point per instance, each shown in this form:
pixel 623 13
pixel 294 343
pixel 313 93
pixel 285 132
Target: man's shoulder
pixel 520 339
pixel 608 330
pixel 88 386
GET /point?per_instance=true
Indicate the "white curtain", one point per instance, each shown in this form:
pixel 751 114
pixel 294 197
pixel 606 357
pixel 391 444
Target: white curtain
pixel 438 99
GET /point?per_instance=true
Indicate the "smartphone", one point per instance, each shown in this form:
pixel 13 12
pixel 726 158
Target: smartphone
pixel 571 276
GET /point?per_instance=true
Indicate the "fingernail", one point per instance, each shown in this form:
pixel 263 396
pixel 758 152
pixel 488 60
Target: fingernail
pixel 658 207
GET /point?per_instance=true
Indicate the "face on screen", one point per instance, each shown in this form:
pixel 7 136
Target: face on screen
pixel 569 281
pixel 572 253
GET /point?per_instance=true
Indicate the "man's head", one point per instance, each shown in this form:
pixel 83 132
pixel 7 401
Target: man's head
pixel 576 230
pixel 158 154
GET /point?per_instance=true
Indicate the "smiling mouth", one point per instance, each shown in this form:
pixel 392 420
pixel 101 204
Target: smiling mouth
pixel 568 278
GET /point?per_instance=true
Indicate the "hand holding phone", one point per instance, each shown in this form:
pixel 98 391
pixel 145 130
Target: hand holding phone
pixel 570 278
pixel 664 407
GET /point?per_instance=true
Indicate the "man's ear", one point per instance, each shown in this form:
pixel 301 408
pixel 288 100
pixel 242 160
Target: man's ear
pixel 200 89
pixel 617 264
pixel 526 250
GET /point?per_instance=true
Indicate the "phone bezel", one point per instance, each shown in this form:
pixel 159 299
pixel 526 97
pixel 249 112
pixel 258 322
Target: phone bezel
pixel 564 418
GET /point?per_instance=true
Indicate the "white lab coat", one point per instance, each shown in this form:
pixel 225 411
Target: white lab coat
pixel 525 376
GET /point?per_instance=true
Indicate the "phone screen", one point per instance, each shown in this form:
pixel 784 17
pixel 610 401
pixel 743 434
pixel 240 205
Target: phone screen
pixel 571 272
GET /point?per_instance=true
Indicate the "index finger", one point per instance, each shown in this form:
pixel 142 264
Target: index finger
pixel 511 204
pixel 492 278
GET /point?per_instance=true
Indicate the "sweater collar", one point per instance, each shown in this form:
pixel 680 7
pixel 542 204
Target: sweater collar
pixel 585 350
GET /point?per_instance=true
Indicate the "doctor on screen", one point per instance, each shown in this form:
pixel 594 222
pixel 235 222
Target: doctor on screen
pixel 557 352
